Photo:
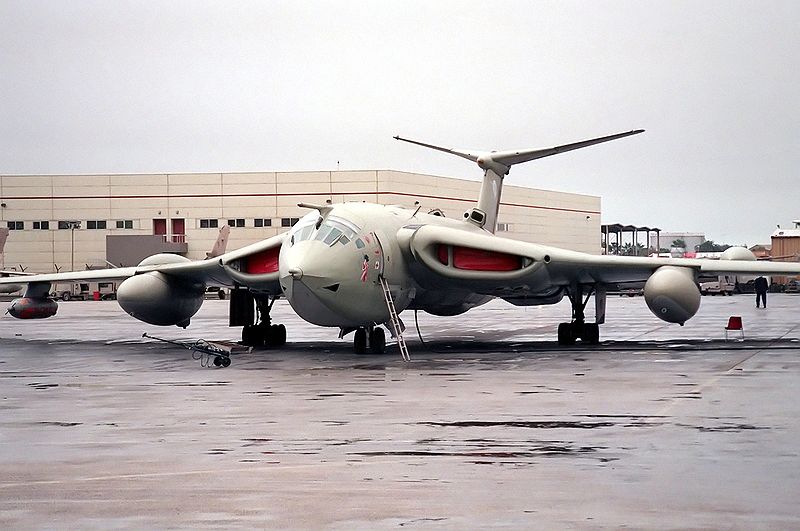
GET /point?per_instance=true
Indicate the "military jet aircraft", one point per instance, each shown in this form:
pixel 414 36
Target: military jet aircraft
pixel 355 266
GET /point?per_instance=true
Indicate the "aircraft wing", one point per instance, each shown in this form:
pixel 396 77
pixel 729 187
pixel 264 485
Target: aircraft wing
pixel 254 266
pixel 506 268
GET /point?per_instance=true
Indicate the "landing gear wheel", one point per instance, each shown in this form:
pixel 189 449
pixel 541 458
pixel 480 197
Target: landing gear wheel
pixel 251 336
pixel 218 361
pixel 360 341
pixel 226 362
pixel 277 335
pixel 377 340
pixel 565 334
pixel 591 333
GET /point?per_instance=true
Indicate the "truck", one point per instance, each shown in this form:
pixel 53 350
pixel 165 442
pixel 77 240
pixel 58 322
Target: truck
pixel 724 285
pixel 85 291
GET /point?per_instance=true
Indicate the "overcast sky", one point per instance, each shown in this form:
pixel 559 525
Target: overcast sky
pixel 126 87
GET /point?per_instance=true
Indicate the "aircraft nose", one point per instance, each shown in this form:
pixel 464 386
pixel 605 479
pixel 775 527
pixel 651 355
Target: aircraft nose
pixel 305 269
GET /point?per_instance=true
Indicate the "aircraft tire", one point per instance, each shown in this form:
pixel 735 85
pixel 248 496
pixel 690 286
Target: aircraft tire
pixel 251 336
pixel 377 340
pixel 277 335
pixel 360 341
pixel 591 333
pixel 565 331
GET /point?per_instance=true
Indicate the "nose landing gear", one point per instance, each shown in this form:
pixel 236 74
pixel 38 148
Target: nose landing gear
pixel 377 340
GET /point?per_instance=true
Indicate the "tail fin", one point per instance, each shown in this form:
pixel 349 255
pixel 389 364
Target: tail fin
pixel 221 244
pixel 497 164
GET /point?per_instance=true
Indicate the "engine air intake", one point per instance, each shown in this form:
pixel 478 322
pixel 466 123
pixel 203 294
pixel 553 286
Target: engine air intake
pixel 470 259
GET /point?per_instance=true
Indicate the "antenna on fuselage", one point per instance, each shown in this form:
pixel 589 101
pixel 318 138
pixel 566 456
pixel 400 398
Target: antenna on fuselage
pixel 497 164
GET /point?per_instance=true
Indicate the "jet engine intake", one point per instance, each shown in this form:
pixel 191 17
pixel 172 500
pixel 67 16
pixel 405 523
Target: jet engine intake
pixel 159 299
pixel 32 308
pixel 672 294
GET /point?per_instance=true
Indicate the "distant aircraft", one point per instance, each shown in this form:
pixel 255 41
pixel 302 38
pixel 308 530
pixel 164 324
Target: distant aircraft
pixel 6 288
pixel 355 266
pixel 221 243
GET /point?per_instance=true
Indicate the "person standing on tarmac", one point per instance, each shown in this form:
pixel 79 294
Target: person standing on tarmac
pixel 761 286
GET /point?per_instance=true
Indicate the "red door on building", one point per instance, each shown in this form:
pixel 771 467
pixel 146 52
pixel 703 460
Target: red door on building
pixel 160 227
pixel 178 231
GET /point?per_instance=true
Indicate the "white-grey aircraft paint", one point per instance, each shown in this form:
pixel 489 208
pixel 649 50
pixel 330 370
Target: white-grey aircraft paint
pixel 337 263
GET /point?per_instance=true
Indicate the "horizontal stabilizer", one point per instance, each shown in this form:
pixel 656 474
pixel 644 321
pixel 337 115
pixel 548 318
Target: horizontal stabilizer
pixel 461 153
pixel 509 158
pixel 501 161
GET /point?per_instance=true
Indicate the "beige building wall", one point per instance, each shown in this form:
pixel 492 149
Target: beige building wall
pixel 547 217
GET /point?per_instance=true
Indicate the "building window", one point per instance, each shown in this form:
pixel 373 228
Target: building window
pixel 66 225
pixel 96 224
pixel 259 222
pixel 209 223
pixel 239 222
pixel 16 225
pixel 41 225
pixel 288 222
pixel 503 227
pixel 125 224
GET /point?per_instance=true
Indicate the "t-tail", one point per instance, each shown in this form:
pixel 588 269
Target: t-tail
pixel 497 164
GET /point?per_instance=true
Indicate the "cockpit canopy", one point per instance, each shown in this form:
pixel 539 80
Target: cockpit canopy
pixel 330 230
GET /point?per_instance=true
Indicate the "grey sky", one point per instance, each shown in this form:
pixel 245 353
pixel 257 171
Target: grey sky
pixel 122 87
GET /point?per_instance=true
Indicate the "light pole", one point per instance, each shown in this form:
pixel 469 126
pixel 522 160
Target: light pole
pixel 72 226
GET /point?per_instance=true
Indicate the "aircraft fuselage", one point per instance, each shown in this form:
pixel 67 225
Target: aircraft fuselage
pixel 330 270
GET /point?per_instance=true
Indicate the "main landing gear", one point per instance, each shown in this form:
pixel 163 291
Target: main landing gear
pixel 588 333
pixel 263 333
pixel 258 330
pixel 376 336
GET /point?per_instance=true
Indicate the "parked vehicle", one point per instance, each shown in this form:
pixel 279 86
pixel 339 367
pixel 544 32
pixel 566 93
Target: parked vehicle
pixel 722 286
pixel 793 286
pixel 215 293
pixel 85 291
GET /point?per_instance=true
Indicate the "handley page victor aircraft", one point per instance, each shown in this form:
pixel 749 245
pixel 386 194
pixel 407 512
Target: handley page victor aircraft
pixel 355 266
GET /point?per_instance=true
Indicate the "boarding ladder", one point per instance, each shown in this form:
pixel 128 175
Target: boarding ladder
pixel 394 320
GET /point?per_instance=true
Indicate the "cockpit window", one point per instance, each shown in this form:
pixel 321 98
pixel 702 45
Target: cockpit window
pixel 330 231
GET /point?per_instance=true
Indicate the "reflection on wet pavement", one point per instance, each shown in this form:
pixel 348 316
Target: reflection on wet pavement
pixel 502 430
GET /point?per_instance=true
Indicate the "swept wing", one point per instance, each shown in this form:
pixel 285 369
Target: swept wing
pixel 502 267
pixel 225 270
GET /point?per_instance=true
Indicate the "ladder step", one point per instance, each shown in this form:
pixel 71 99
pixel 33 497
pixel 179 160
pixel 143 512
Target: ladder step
pixel 394 319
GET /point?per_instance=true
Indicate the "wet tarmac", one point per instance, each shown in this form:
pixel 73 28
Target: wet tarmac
pixel 490 425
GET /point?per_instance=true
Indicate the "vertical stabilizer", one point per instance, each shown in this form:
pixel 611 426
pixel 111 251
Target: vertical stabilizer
pixel 497 164
pixel 221 244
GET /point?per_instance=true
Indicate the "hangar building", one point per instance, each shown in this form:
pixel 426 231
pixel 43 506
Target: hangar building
pixel 72 221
